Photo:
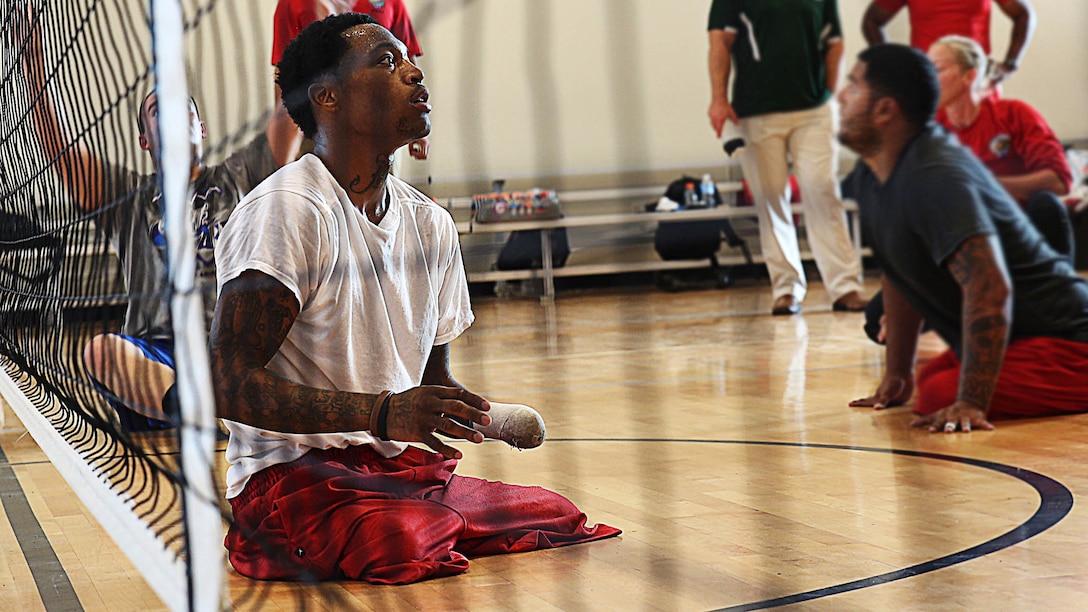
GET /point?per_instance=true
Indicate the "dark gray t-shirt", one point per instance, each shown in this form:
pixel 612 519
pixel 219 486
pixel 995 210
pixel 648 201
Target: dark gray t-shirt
pixel 938 196
pixel 132 222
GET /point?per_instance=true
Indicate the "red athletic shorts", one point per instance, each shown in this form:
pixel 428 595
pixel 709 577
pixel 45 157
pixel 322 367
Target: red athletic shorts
pixel 353 514
pixel 1039 377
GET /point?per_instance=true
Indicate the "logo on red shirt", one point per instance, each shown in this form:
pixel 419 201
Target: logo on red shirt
pixel 1000 145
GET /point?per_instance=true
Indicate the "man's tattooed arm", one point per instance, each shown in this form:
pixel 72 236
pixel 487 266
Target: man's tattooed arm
pixel 252 319
pixel 978 267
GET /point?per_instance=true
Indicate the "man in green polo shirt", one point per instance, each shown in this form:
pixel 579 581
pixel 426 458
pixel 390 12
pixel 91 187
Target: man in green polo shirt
pixel 787 56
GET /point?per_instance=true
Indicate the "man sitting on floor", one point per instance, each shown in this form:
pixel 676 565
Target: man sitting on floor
pixel 341 287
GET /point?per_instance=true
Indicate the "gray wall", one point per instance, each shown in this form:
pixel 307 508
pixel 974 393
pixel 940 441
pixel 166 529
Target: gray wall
pixel 570 89
pixel 528 88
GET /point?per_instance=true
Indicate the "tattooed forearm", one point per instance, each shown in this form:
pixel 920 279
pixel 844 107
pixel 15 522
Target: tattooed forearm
pixel 983 352
pixel 987 316
pixel 254 315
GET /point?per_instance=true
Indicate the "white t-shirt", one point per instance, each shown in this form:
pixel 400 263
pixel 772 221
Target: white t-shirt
pixel 373 299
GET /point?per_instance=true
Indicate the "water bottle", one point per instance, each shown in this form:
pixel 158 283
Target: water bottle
pixel 706 191
pixel 691 199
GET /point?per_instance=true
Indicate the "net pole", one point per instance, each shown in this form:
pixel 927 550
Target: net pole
pixel 197 430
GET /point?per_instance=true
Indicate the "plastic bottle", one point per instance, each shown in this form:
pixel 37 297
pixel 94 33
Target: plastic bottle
pixel 707 190
pixel 691 199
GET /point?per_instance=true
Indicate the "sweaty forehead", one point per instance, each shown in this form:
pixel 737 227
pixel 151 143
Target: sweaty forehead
pixel 369 36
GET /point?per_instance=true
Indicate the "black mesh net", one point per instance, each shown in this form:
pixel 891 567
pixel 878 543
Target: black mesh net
pixel 73 170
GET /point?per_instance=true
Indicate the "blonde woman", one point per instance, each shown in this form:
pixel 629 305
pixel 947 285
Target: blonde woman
pixel 1009 136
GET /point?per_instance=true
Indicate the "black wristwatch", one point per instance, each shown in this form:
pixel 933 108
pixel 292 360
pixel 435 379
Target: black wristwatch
pixel 1011 65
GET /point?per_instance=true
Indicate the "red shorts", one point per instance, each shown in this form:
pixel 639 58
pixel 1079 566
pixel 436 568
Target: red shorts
pixel 353 514
pixel 1039 377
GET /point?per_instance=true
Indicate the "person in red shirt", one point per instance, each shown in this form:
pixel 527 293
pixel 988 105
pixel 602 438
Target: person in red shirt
pixel 1009 136
pixel 294 15
pixel 932 19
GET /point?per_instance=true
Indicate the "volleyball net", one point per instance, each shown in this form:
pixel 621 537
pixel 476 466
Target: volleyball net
pixel 75 74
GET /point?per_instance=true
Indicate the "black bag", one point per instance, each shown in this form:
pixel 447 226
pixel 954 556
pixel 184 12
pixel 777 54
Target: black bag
pixel 27 252
pixel 522 250
pixel 688 239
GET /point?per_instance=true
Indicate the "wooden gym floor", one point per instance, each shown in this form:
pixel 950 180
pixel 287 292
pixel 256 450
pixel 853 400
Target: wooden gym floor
pixel 718 438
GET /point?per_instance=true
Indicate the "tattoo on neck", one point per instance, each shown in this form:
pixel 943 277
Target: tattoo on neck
pixel 353 186
pixel 381 171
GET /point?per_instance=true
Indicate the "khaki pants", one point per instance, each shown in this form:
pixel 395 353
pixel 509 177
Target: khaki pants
pixel 808 139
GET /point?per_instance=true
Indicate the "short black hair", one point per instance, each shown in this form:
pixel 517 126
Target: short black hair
pixel 905 75
pixel 316 51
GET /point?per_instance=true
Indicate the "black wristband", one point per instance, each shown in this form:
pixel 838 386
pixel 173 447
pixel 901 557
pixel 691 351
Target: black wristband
pixel 383 418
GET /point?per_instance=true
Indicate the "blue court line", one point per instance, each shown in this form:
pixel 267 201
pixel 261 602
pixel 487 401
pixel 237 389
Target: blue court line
pixel 1055 502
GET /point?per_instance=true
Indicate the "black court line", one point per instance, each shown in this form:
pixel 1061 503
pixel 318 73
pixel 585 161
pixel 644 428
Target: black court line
pixel 54 587
pixel 1055 502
